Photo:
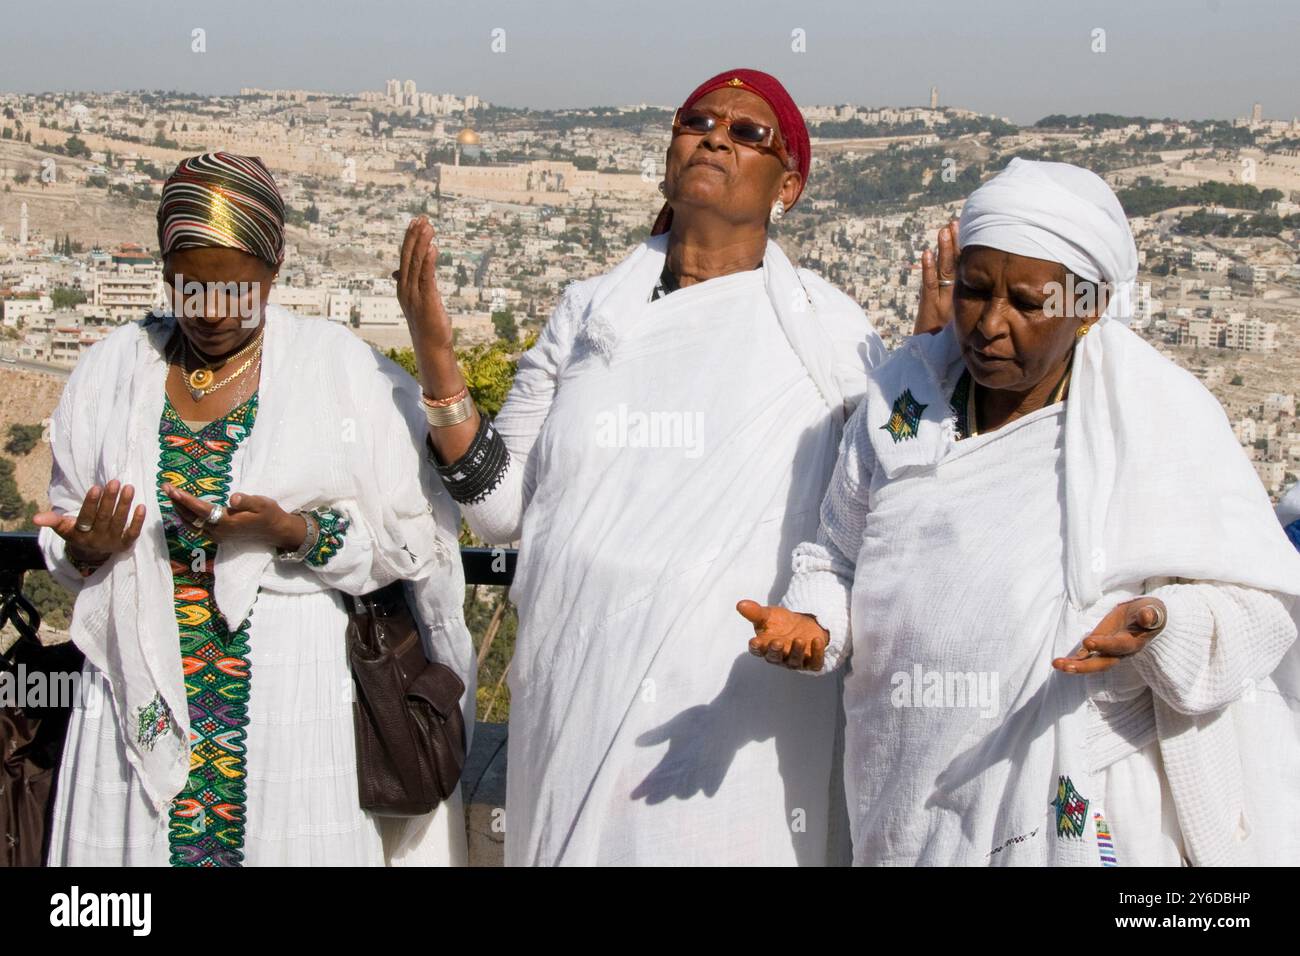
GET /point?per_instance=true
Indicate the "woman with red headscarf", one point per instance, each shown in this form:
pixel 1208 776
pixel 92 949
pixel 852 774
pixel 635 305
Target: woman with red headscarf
pixel 666 441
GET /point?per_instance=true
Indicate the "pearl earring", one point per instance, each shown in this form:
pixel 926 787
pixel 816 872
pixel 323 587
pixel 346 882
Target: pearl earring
pixel 778 211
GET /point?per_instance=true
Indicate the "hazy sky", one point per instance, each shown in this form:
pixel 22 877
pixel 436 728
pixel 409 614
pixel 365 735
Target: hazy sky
pixel 1018 58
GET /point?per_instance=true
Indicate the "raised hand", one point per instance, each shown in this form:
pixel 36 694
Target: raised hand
pixel 247 516
pixel 938 273
pixel 782 636
pixel 431 335
pixel 1122 632
pixel 417 289
pixel 100 529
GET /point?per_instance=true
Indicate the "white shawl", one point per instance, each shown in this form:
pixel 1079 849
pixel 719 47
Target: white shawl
pixel 804 303
pixel 631 563
pixel 337 425
pixel 1156 483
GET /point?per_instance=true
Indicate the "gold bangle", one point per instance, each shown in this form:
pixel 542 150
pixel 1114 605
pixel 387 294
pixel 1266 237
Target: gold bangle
pixel 444 402
pixel 445 416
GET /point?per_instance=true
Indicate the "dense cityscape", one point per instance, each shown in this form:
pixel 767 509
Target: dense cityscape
pixel 527 201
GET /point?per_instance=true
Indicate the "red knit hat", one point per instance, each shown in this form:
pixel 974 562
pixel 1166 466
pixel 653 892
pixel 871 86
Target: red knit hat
pixel 789 122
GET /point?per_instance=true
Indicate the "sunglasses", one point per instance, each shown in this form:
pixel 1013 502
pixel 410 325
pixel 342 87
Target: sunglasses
pixel 746 132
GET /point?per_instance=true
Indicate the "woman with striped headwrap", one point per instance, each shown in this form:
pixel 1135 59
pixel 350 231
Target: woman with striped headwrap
pixel 218 730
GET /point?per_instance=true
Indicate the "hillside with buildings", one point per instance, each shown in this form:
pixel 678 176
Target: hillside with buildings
pixel 527 201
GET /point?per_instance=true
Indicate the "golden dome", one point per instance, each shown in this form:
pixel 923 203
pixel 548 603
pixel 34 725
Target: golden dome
pixel 467 137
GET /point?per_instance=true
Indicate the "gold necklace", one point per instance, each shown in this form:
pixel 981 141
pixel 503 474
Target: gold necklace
pixel 202 393
pixel 243 391
pixel 200 381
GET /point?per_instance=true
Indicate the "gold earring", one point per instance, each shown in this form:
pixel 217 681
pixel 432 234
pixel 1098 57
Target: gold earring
pixel 1082 330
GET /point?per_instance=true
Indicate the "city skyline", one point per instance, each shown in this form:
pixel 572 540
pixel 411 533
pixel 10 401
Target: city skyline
pixel 1209 59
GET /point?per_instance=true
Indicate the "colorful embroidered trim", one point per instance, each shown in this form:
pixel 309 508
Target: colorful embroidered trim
pixel 1071 809
pixel 152 721
pixel 333 526
pixel 906 417
pixel 207 817
pixel 1105 845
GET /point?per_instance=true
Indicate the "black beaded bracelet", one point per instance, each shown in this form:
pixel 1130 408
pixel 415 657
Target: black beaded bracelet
pixel 476 474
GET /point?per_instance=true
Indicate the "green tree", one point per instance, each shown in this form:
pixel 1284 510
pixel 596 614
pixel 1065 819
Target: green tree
pixel 489 369
pixel 406 358
pixel 52 601
pixel 504 323
pixel 23 438
pixel 11 499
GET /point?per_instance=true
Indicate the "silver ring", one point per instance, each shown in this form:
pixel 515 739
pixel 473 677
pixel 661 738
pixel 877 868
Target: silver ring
pixel 83 528
pixel 1161 618
pixel 947 282
pixel 215 515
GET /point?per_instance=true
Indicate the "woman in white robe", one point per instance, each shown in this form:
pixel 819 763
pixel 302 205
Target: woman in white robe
pixel 666 441
pixel 198 742
pixel 1061 606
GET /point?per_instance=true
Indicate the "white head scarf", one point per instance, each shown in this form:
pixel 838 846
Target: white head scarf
pixel 1156 483
pixel 1061 213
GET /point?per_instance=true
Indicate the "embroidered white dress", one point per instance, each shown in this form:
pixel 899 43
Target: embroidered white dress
pixel 353 443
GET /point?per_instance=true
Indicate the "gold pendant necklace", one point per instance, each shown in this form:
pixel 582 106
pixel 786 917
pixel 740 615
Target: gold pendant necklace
pixel 199 394
pixel 200 381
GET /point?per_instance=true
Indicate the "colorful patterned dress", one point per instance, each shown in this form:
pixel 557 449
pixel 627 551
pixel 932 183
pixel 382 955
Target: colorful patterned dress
pixel 207 818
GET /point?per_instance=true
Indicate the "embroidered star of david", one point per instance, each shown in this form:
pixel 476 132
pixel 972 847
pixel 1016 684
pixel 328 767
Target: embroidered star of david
pixel 1071 809
pixel 906 417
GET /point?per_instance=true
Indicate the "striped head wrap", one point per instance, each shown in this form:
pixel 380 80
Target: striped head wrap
pixel 225 201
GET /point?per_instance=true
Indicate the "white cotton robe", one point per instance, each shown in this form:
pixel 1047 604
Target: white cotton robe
pixel 337 425
pixel 641 729
pixel 942 570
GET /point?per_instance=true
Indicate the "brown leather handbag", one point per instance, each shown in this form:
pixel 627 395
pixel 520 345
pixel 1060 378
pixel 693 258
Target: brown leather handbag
pixel 409 728
pixel 31 740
